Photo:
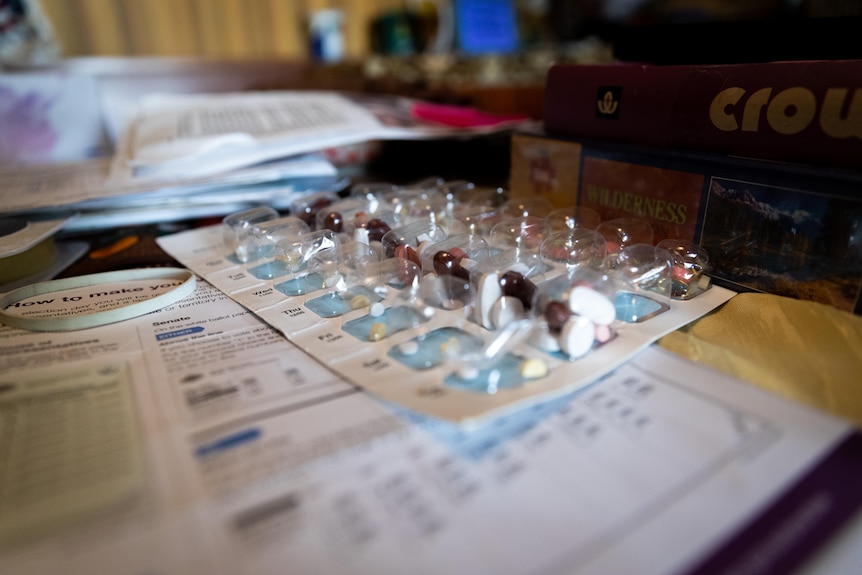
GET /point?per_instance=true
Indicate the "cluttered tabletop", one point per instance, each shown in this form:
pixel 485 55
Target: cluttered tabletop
pixel 364 333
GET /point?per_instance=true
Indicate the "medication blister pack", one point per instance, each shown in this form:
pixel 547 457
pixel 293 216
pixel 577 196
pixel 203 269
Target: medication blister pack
pixel 453 299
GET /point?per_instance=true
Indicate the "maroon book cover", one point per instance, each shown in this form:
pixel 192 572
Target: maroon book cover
pixel 806 111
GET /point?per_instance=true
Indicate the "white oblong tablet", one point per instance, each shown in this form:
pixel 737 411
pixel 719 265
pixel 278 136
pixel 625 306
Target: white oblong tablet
pixel 520 268
pixel 361 235
pixel 489 291
pixel 589 303
pixel 546 341
pixel 506 310
pixel 577 336
pixel 468 264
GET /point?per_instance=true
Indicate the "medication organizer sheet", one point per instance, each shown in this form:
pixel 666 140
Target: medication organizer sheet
pixel 197 439
pixel 373 364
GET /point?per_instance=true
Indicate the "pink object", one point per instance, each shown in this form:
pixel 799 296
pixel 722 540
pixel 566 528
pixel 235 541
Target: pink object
pixel 460 116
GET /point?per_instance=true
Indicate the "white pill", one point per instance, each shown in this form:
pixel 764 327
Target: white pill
pixel 588 302
pixel 577 336
pixel 361 235
pixel 468 372
pixel 333 281
pixel 506 310
pixel 468 264
pixel 488 292
pixel 519 267
pixel 409 348
pixel 376 310
pixel 546 341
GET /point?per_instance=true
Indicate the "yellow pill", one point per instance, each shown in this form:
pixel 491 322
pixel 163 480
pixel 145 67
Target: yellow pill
pixel 291 260
pixel 533 368
pixel 359 301
pixel 450 347
pixel 378 331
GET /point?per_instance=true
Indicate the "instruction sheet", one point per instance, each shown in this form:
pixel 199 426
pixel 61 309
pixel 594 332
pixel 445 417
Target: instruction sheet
pixel 199 440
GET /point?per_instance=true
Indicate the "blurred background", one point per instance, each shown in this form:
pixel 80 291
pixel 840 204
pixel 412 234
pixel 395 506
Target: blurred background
pixel 101 55
pixel 357 29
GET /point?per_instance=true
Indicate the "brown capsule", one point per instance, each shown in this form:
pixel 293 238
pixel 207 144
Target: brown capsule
pixel 309 212
pixel 406 252
pixel 376 228
pixel 516 285
pixel 408 272
pixel 445 263
pixel 334 222
pixel 556 315
pixel 458 253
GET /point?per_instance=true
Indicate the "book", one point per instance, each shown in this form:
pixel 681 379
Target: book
pixel 775 227
pixel 796 111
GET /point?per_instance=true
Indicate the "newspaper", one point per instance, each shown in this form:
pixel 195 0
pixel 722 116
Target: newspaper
pixel 204 134
pixel 198 440
pixel 87 187
pixel 201 155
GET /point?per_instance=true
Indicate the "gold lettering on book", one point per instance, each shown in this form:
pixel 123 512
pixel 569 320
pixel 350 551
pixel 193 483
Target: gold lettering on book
pixel 830 114
pixel 636 204
pixel 791 111
pixel 788 112
pixel 607 105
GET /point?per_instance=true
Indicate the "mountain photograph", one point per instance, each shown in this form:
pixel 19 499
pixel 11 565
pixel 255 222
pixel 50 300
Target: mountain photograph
pixel 782 241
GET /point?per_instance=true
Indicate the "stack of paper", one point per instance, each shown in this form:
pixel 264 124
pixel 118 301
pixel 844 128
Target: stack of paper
pixel 194 155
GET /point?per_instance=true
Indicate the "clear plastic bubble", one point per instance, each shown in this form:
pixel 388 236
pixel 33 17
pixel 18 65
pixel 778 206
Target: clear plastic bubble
pixel 492 366
pixel 264 236
pixel 344 216
pixel 690 264
pixel 622 232
pixel 295 253
pixel 420 205
pixel 375 193
pixel 383 316
pixel 477 219
pixel 238 227
pixel 473 195
pixel 446 256
pixel 306 206
pixel 575 313
pixel 527 232
pixel 571 217
pixel 645 273
pixel 532 206
pixel 372 229
pixel 503 287
pixel 341 269
pixel 404 242
pixel 574 248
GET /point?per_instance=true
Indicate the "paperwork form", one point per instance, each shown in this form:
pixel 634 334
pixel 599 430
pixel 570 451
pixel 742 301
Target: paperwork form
pixel 245 455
